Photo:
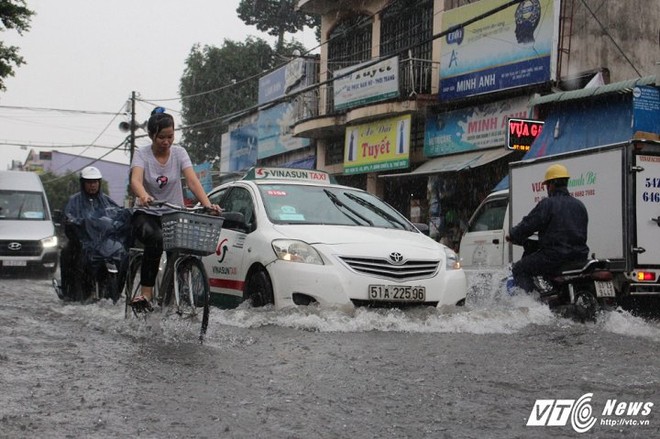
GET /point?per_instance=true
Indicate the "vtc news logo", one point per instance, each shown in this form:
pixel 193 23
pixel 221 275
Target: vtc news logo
pixel 557 412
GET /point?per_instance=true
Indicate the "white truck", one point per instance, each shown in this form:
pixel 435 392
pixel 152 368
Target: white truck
pixel 620 186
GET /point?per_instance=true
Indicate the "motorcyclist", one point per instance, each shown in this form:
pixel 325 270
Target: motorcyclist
pixel 561 223
pixel 97 228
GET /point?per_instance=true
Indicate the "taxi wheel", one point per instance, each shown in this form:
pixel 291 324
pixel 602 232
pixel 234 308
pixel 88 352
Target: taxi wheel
pixel 259 289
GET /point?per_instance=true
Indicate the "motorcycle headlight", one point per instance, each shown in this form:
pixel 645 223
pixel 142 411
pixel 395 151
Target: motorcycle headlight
pixel 296 251
pixel 49 242
pixel 453 262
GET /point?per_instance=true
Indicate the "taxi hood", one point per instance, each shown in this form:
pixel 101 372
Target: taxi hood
pixel 360 237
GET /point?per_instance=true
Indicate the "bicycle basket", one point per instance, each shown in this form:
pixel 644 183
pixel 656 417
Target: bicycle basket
pixel 189 232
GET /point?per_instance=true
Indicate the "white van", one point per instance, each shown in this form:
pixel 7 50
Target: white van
pixel 484 244
pixel 27 232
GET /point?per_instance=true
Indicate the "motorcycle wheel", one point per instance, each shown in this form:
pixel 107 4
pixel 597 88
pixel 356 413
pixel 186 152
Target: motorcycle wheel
pixel 585 306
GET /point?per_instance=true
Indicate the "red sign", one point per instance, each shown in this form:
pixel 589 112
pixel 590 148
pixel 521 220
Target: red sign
pixel 522 133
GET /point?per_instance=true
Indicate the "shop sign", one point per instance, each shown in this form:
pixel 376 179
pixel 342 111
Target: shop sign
pixel 522 133
pixel 377 146
pixel 646 109
pixel 472 128
pixel 355 86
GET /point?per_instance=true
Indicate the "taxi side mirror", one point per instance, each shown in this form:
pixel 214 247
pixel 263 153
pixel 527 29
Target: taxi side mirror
pixel 234 221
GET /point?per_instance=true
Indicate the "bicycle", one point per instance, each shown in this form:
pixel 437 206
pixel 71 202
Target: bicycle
pixel 183 287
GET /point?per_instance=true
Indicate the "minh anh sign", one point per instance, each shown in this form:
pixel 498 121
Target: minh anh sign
pixel 512 48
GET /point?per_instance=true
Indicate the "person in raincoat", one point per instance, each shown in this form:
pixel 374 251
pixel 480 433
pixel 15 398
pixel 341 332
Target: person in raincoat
pixel 98 230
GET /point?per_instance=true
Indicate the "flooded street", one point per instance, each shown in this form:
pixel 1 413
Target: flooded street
pixel 70 370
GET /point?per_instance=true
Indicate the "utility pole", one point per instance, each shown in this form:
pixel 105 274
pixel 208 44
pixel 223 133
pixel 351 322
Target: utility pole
pixel 132 126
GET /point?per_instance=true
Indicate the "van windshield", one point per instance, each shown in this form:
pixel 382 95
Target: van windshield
pixel 489 217
pixel 22 205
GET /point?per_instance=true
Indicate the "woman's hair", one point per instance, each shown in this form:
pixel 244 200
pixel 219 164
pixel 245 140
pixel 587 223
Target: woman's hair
pixel 158 121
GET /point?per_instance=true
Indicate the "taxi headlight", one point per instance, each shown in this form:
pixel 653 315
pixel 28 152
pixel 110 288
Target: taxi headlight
pixel 49 242
pixel 296 251
pixel 453 262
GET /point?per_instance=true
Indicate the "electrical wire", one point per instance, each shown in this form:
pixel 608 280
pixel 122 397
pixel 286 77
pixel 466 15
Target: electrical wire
pixel 348 72
pixel 60 110
pixel 226 118
pixel 95 140
pixel 604 29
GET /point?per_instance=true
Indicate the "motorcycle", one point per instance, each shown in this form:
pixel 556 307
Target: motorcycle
pixel 579 290
pixel 100 246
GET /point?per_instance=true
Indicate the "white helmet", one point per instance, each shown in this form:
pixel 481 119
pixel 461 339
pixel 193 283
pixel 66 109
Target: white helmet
pixel 91 173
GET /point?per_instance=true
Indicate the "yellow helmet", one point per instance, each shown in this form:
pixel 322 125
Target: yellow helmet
pixel 554 172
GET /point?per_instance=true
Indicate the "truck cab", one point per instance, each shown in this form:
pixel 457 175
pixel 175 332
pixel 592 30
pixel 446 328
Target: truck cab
pixel 483 244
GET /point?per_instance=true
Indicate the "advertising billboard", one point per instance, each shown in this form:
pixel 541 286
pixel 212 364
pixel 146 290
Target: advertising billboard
pixel 243 144
pixel 512 48
pixel 481 127
pixel 371 84
pixel 377 146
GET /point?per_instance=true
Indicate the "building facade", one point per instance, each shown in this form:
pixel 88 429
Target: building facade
pixel 60 163
pixel 415 96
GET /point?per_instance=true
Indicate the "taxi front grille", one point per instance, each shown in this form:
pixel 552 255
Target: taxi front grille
pixel 412 269
pixel 26 248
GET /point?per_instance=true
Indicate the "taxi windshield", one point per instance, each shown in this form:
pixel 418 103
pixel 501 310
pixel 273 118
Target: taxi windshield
pixel 305 204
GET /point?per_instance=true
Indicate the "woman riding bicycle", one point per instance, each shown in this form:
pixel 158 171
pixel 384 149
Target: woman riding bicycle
pixel 156 172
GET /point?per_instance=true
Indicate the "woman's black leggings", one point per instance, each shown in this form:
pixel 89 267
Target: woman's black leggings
pixel 149 231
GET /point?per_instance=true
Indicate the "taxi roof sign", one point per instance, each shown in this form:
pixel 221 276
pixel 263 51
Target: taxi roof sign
pixel 289 174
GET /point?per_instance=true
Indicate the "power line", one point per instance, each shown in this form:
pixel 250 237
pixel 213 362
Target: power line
pixel 604 29
pixel 50 146
pixel 372 62
pixel 88 164
pixel 96 139
pixel 226 118
pixel 60 110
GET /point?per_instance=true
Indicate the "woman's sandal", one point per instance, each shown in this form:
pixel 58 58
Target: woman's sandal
pixel 141 304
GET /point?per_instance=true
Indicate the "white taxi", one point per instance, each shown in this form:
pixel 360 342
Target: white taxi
pixel 295 237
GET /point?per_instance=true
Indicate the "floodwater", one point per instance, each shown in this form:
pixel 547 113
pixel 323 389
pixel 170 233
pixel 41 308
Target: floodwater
pixel 481 371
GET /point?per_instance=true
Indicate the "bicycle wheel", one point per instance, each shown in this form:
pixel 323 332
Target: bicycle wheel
pixel 190 297
pixel 132 287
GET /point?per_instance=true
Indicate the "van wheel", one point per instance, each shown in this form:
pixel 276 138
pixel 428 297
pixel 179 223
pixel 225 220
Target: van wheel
pixel 258 288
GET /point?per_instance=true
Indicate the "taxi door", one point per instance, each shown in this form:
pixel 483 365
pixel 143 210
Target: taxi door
pixel 226 266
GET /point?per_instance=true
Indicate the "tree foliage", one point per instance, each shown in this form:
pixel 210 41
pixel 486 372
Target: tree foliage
pixel 219 82
pixel 275 17
pixel 15 15
pixel 59 188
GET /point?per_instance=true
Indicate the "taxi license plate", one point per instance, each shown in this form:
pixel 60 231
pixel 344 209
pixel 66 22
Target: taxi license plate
pixel 397 293
pixel 10 263
pixel 604 289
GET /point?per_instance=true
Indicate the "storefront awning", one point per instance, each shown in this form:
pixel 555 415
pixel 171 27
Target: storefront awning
pixel 454 162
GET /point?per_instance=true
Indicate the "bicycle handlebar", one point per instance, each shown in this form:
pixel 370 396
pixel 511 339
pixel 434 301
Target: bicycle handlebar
pixel 160 203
